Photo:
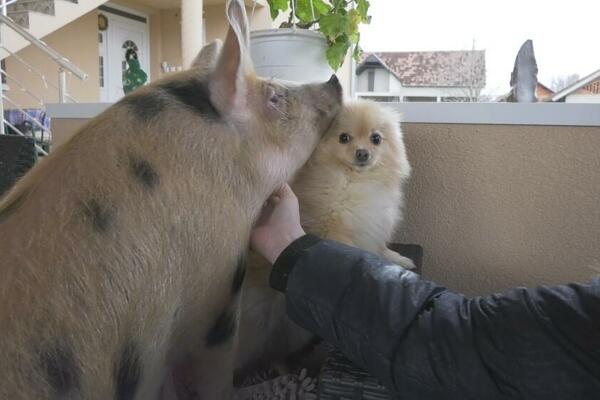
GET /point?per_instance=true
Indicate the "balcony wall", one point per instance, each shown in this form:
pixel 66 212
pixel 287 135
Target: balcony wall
pixel 501 194
pixel 506 203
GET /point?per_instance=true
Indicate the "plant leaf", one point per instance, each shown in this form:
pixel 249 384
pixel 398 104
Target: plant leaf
pixel 305 13
pixel 276 6
pixel 337 52
pixel 357 53
pixel 339 5
pixel 322 7
pixel 333 25
pixel 362 6
pixel 354 19
pixel 339 21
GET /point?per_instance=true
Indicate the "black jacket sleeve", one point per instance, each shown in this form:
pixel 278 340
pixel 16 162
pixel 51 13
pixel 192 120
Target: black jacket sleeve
pixel 426 342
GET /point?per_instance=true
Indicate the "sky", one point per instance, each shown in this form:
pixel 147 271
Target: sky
pixel 565 34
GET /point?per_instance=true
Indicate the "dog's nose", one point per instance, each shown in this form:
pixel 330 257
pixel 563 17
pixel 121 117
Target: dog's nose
pixel 362 155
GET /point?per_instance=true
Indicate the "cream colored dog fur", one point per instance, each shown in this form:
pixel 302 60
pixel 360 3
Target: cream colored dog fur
pixel 350 190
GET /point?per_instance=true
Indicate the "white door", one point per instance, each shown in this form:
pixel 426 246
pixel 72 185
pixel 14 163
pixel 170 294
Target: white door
pixel 122 34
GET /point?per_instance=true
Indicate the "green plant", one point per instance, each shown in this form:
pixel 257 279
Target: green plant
pixel 338 20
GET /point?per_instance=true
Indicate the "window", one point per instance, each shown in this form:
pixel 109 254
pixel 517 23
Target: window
pixel 382 99
pixel 455 99
pixel 101 71
pixel 371 80
pixel 420 98
pixel 101 57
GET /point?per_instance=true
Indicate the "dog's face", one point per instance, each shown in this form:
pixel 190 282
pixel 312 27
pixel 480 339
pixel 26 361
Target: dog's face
pixel 363 136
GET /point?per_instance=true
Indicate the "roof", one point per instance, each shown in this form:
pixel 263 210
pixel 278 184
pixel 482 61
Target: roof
pixel 576 86
pixel 542 92
pixel 430 68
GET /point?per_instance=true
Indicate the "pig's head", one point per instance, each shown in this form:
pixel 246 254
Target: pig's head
pixel 280 123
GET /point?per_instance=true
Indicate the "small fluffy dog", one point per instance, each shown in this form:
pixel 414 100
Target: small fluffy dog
pixel 350 190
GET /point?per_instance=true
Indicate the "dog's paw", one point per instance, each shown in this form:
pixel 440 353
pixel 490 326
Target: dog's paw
pixel 396 258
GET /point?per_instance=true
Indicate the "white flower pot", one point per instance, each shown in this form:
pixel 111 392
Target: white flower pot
pixel 296 55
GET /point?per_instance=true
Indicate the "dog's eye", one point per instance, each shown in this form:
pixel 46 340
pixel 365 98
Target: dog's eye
pixel 344 138
pixel 376 138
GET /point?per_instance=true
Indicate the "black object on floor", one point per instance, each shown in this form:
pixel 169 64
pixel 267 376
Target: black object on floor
pixel 341 380
pixel 17 156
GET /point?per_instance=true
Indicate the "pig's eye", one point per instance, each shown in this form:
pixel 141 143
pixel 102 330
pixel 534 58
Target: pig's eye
pixel 376 138
pixel 344 138
pixel 274 99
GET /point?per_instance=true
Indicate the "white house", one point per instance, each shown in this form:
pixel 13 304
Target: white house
pixel 421 76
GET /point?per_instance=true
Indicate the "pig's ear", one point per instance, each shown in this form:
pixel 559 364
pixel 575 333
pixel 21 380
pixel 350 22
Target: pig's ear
pixel 207 58
pixel 229 81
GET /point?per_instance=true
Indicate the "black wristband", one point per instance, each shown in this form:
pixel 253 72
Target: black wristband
pixel 287 259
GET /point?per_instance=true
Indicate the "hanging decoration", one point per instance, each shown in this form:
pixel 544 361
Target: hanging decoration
pixel 133 76
pixel 102 22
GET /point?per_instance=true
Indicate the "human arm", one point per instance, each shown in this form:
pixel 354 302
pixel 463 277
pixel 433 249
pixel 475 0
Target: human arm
pixel 424 341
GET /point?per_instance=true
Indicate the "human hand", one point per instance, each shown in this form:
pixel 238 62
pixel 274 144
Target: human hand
pixel 278 226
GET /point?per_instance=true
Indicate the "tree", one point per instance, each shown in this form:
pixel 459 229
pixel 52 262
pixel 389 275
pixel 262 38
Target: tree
pixel 468 71
pixel 472 73
pixel 560 82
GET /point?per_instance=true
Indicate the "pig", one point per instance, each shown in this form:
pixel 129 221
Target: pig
pixel 123 252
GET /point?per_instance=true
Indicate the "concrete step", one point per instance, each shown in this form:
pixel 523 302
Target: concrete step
pixel 41 6
pixel 20 17
pixel 38 20
pixel 20 10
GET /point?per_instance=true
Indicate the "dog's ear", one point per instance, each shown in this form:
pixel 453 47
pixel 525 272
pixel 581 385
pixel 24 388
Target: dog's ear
pixel 229 81
pixel 207 58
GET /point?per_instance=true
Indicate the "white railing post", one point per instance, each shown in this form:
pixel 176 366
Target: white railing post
pixel 4 12
pixel 62 85
pixel 191 30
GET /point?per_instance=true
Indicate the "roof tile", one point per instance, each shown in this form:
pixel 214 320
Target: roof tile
pixel 433 68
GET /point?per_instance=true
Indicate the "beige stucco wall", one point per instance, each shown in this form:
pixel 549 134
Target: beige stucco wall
pixel 498 206
pixel 165 39
pixel 216 22
pixel 77 41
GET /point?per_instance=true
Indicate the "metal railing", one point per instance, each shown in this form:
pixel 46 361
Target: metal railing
pixel 31 69
pixel 64 64
pixel 64 67
pixel 5 3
